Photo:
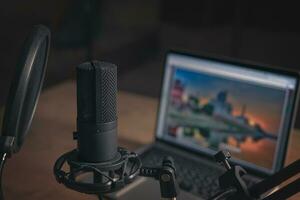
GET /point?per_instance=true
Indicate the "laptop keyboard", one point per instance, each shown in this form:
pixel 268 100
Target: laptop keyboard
pixel 198 179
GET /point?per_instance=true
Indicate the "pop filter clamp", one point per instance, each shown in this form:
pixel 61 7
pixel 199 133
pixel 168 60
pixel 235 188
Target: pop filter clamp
pixel 24 93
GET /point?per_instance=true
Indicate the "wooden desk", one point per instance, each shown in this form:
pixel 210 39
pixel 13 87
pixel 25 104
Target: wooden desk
pixel 28 175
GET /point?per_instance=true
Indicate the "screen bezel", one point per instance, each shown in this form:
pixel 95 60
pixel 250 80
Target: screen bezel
pixel 282 149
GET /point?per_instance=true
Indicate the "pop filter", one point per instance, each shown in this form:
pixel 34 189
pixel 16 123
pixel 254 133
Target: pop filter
pixel 25 89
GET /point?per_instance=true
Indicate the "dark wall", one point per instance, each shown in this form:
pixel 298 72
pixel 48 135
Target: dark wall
pixel 17 19
pixel 131 33
pixel 260 31
pixel 108 30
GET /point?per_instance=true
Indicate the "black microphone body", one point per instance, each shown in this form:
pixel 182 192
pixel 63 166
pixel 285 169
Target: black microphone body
pixel 98 166
pixel 97 111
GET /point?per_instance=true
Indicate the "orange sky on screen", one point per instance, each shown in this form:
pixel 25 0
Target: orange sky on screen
pixel 256 114
pixel 265 120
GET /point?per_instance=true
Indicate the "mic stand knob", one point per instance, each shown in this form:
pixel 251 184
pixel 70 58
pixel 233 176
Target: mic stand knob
pixel 232 177
pixel 166 175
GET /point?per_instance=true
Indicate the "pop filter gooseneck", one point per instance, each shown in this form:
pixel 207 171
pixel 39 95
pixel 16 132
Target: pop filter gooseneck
pixel 24 93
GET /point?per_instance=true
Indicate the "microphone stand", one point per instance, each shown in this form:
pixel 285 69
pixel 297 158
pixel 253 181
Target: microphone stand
pixel 275 180
pixel 236 189
pixel 6 150
pixel 2 163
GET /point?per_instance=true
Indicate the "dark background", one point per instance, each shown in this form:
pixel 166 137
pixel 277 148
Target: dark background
pixel 134 34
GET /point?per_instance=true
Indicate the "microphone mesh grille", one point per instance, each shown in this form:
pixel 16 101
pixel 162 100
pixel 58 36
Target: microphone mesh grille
pixel 106 92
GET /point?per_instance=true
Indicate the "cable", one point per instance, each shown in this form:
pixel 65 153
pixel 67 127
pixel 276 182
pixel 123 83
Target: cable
pixel 2 163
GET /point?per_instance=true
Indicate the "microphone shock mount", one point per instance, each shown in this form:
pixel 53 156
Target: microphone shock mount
pixel 97 178
pixel 106 177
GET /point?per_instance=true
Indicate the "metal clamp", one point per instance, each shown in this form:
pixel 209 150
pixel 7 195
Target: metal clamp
pixel 7 144
pixel 166 175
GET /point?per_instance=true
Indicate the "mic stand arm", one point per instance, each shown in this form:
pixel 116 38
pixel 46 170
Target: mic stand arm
pixel 271 182
pixel 7 148
pixel 166 175
pixel 232 178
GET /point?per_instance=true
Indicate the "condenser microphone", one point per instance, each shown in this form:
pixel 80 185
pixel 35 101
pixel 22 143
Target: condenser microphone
pixel 98 166
pixel 96 111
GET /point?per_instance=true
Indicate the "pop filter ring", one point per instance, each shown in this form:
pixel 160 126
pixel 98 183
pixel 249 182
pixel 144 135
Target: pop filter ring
pixel 25 89
pixel 24 93
pixel 112 184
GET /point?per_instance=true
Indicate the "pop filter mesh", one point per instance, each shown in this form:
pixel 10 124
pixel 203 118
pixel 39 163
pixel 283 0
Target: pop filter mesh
pixel 34 87
pixel 26 86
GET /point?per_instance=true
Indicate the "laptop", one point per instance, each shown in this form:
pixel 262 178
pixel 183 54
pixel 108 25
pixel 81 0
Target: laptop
pixel 209 104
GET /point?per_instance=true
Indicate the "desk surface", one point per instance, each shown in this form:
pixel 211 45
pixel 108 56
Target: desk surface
pixel 28 175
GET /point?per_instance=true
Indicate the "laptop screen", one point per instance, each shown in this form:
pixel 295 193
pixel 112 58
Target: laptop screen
pixel 210 105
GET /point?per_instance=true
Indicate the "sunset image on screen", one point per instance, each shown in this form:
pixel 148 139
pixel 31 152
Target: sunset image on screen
pixel 220 113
